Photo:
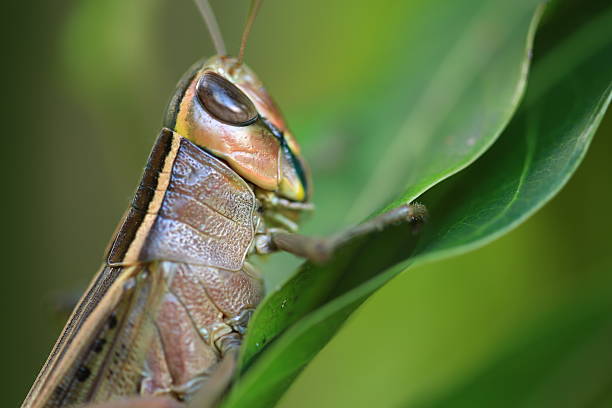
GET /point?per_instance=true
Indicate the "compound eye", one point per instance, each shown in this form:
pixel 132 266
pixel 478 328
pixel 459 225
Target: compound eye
pixel 225 101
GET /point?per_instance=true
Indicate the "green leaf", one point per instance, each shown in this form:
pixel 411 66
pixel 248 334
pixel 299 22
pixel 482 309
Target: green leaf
pixel 567 96
pixel 432 108
pixel 541 148
pixel 478 115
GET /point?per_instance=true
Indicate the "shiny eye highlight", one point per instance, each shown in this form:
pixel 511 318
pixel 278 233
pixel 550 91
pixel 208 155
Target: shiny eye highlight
pixel 225 101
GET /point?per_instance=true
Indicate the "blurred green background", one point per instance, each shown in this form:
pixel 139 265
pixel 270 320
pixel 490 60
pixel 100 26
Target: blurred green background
pixel 87 85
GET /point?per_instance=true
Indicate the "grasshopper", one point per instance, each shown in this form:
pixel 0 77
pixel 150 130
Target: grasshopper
pixel 225 181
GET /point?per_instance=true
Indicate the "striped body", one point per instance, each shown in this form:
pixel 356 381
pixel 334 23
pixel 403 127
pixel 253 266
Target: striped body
pixel 175 292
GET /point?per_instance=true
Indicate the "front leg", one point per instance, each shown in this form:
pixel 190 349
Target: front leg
pixel 320 250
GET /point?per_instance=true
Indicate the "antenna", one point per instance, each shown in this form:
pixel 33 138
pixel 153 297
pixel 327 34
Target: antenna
pixel 213 27
pixel 247 28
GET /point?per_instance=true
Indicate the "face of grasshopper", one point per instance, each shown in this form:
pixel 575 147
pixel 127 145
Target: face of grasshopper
pixel 223 107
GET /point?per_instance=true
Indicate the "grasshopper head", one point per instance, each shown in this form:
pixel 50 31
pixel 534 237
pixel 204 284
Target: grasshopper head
pixel 223 107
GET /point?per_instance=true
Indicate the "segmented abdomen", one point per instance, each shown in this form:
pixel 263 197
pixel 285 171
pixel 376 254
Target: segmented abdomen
pixel 200 318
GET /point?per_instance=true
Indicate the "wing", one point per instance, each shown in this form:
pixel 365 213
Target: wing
pixel 107 318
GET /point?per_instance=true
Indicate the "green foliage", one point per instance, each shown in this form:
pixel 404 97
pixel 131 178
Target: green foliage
pixel 476 129
pixel 534 158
